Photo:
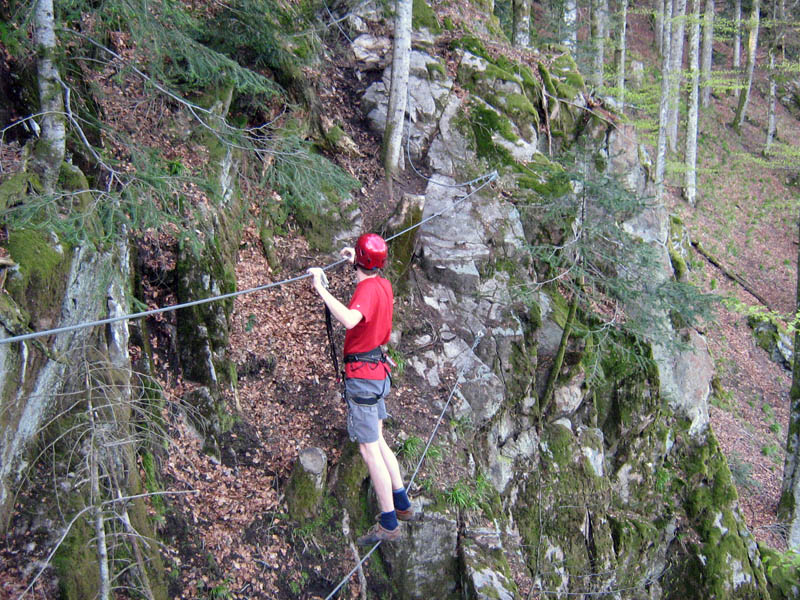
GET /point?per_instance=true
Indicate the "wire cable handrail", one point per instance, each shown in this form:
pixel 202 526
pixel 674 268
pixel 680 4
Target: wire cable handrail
pixel 489 177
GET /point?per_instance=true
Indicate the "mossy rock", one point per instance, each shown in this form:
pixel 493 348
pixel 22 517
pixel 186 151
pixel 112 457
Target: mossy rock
pixel 403 251
pixel 471 44
pixel 568 78
pixel 560 87
pixel 422 16
pixel 765 331
pixel 349 489
pixel 486 123
pixel 39 282
pixel 551 508
pixel 15 189
pixel 547 178
pixel 726 565
pixel 783 572
pixel 320 222
pixel 75 562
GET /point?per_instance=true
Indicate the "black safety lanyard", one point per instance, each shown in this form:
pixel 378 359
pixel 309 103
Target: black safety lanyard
pixel 332 346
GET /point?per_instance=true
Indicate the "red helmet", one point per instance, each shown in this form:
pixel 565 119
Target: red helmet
pixel 370 251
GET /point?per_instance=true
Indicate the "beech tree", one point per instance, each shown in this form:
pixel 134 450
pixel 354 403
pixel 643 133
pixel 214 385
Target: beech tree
pixel 663 108
pixel 623 25
pixel 659 25
pixel 522 23
pixel 707 53
pixel 737 39
pixel 599 31
pixel 690 185
pixel 789 505
pixel 398 90
pixel 775 46
pixel 49 150
pixel 678 25
pixel 570 19
pixel 752 46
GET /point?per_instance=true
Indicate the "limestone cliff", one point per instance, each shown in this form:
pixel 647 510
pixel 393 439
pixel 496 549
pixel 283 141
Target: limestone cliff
pixel 617 485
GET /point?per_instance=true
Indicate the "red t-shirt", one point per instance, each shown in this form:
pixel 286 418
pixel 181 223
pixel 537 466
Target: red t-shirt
pixel 374 299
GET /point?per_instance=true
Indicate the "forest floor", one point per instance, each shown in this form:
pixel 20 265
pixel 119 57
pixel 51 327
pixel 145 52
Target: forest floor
pixel 746 217
pixel 232 538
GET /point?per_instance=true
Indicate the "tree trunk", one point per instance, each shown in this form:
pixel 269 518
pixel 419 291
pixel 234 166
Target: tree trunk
pixel 661 147
pixel 690 188
pixel 398 90
pixel 778 20
pixel 570 39
pixel 623 28
pixel 676 70
pixel 659 26
pixel 708 46
pixel 737 39
pixel 49 151
pixel 771 105
pixel 522 23
pixel 598 32
pixel 789 505
pixel 752 45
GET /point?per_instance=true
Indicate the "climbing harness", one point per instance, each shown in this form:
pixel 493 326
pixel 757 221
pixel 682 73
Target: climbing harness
pixel 419 463
pixel 374 356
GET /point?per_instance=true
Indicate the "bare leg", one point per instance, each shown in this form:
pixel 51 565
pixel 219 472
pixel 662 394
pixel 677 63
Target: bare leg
pixel 381 480
pixel 390 460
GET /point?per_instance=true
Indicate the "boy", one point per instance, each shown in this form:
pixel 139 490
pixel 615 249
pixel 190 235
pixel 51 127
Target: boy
pixel 368 319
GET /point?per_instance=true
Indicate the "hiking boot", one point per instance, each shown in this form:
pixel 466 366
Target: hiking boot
pixel 378 534
pixel 407 514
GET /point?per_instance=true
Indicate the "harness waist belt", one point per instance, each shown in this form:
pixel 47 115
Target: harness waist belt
pixel 365 401
pixel 375 355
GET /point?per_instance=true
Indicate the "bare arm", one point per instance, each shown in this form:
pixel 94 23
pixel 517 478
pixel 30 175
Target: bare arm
pixel 346 316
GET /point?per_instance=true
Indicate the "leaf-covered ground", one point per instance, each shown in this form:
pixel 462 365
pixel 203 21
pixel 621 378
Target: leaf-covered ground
pixel 230 538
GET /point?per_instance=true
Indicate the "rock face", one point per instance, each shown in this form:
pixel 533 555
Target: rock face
pixel 599 482
pixel 33 385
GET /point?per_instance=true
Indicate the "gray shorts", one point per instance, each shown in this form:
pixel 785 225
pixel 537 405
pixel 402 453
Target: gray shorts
pixel 363 419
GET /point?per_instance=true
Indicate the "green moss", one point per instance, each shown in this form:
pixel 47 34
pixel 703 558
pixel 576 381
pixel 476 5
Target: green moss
pixel 710 499
pixel 14 189
pixel 13 317
pixel 707 471
pixel 559 84
pixel 471 44
pixel 352 473
pixel 333 135
pixel 559 306
pixel 678 265
pixel 422 15
pixel 403 251
pixel 151 481
pixel 521 110
pixel 548 179
pixel 43 269
pixel 485 123
pixel 302 497
pixel 569 81
pixel 138 512
pixel 436 71
pixel 75 562
pixel 561 443
pixel 318 225
pixel 783 572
